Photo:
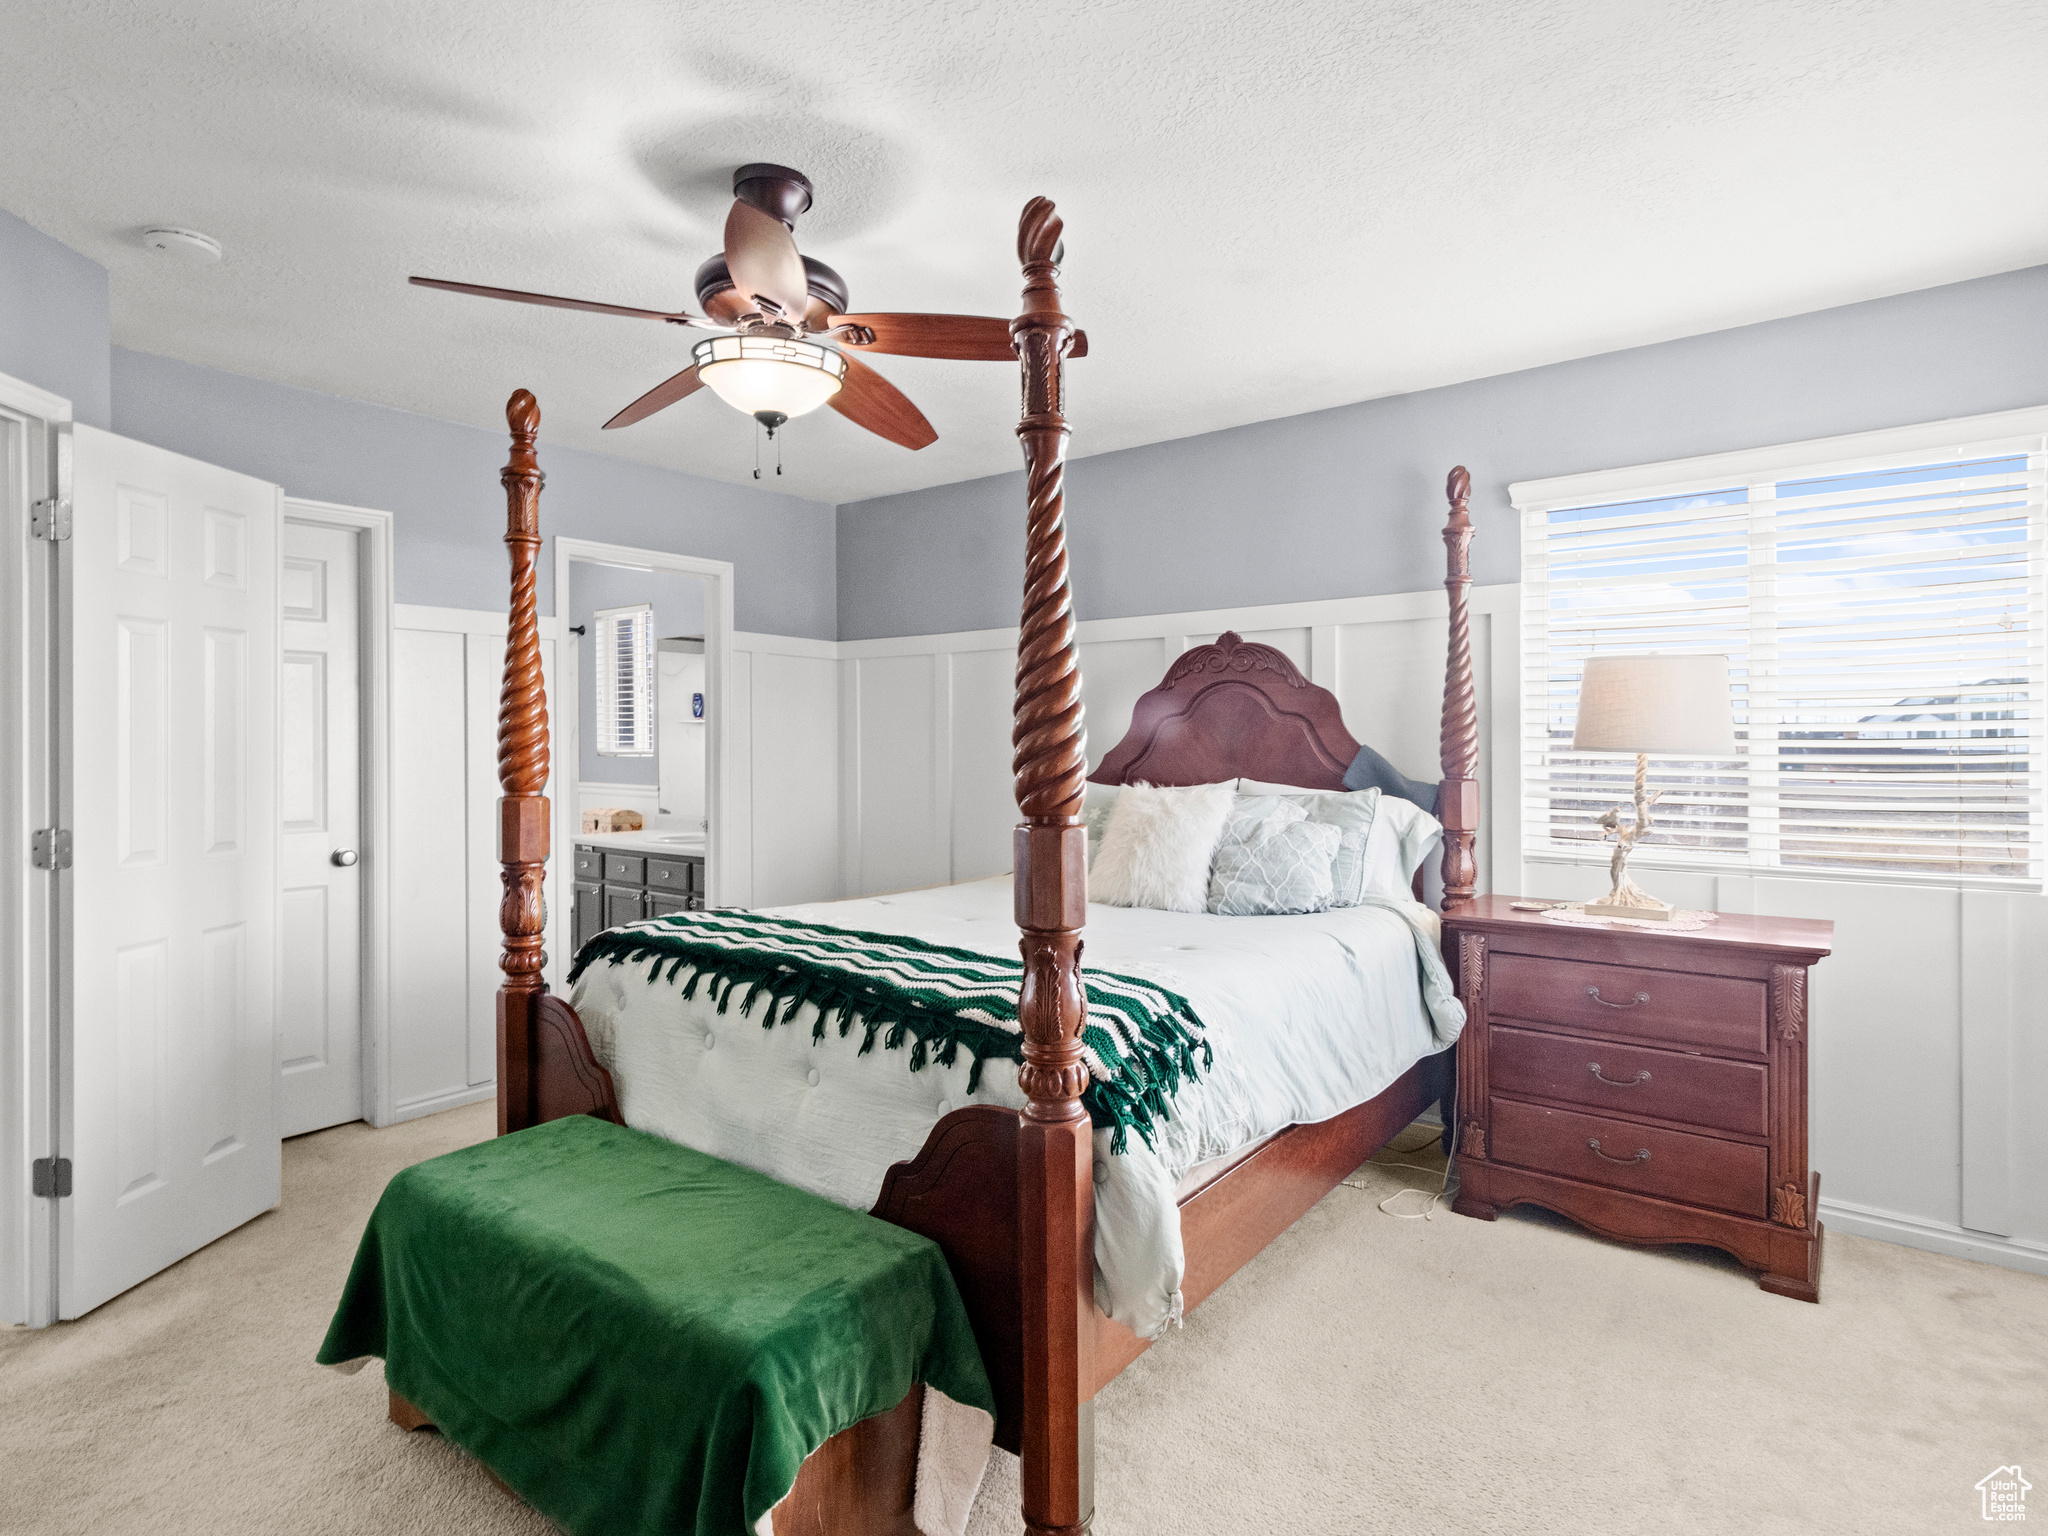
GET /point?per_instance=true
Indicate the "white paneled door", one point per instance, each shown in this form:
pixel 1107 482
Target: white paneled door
pixel 319 728
pixel 170 1070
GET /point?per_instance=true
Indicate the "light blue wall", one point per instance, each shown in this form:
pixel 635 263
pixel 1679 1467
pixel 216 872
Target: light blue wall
pixel 440 479
pixel 678 603
pixel 1348 502
pixel 1335 503
pixel 54 327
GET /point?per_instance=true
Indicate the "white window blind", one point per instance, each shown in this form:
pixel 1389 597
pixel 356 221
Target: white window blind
pixel 1882 613
pixel 625 681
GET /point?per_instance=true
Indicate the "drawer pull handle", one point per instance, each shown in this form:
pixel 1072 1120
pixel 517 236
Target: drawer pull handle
pixel 1594 993
pixel 1642 1154
pixel 1641 1077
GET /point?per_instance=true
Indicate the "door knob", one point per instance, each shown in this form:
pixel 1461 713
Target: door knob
pixel 343 856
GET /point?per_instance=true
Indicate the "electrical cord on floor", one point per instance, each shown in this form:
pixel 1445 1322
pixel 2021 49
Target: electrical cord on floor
pixel 1428 1211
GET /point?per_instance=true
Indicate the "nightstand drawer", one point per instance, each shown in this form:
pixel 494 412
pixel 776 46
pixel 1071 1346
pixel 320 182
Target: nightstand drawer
pixel 1664 1007
pixel 1632 1079
pixel 1698 1170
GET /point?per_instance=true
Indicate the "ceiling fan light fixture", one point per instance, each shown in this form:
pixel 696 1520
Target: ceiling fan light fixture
pixel 771 374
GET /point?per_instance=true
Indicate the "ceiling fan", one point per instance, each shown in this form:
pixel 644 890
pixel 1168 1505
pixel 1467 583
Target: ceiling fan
pixel 786 344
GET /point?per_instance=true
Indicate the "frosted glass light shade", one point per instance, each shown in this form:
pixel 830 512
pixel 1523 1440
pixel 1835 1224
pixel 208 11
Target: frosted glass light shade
pixel 769 373
pixel 1668 706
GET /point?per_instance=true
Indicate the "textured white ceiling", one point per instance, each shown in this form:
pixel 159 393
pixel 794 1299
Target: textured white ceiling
pixel 1271 208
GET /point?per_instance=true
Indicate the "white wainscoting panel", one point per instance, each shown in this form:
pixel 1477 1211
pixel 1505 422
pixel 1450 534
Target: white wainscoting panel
pixel 787 766
pixel 446 667
pixel 979 688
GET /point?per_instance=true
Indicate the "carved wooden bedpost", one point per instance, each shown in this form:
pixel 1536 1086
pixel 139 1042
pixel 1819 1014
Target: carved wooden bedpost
pixel 523 776
pixel 1056 1192
pixel 1458 745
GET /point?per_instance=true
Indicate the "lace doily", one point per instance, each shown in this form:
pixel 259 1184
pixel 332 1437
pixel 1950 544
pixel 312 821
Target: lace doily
pixel 1680 921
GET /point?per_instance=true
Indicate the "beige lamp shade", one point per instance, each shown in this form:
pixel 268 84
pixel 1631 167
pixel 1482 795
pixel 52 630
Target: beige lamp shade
pixel 1668 706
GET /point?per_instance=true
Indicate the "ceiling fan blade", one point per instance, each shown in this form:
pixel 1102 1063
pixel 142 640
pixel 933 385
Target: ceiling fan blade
pixel 968 338
pixel 763 261
pixel 659 398
pixel 518 296
pixel 868 400
pixel 963 338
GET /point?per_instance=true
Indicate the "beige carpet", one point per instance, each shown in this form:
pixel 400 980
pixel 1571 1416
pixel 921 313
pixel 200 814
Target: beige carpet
pixel 1363 1375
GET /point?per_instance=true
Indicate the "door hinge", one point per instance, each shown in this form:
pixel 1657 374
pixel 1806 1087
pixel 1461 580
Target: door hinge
pixel 51 848
pixel 50 519
pixel 50 1178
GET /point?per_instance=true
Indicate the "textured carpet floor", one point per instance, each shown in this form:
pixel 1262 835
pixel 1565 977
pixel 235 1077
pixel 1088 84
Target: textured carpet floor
pixel 1362 1375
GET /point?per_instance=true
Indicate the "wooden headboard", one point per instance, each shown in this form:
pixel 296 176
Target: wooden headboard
pixel 1240 710
pixel 1233 710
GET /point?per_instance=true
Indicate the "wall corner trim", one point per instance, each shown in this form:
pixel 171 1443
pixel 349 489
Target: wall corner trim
pixel 32 400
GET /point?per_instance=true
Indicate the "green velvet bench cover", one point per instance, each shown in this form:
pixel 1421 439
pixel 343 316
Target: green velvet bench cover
pixel 640 1338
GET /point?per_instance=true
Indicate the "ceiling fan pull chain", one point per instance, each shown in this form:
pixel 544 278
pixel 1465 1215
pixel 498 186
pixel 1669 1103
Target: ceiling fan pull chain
pixel 757 450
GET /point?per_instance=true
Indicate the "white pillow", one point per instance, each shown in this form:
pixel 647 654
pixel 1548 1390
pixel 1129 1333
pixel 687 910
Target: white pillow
pixel 1157 845
pixel 1415 835
pixel 1096 802
pixel 1251 815
pixel 1403 834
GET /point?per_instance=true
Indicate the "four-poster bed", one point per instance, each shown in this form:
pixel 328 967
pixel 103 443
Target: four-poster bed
pixel 1009 1194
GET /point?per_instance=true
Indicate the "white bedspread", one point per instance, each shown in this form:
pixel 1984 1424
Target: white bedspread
pixel 1307 1016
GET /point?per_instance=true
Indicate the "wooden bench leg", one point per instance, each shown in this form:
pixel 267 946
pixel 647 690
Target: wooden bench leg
pixel 405 1416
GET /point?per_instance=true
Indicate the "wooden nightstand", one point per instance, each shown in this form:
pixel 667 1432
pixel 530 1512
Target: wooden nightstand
pixel 1651 1086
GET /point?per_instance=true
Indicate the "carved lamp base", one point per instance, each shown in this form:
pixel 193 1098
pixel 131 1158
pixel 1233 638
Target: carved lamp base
pixel 1630 900
pixel 1616 904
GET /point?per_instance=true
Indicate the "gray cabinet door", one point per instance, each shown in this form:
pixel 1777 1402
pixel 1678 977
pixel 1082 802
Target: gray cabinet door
pixel 588 918
pixel 623 904
pixel 660 904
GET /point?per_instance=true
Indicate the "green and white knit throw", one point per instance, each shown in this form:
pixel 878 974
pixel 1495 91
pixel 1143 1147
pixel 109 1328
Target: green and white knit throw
pixel 1139 1041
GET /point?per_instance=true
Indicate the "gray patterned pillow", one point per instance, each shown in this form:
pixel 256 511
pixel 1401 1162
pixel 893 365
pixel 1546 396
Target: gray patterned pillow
pixel 1284 871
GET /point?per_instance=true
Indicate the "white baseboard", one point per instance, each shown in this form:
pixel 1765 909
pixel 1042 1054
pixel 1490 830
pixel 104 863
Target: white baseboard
pixel 1935 1236
pixel 433 1104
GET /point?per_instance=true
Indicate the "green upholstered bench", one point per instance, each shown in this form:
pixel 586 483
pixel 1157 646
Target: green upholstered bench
pixel 639 1338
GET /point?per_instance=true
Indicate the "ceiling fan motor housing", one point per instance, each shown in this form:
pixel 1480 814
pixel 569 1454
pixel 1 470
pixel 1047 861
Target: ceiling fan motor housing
pixel 826 285
pixel 774 189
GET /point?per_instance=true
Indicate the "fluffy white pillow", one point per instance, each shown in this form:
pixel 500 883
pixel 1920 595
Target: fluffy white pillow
pixel 1097 800
pixel 1157 845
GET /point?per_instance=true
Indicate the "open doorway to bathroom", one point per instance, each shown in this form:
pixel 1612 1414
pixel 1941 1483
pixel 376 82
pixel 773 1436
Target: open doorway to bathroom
pixel 648 651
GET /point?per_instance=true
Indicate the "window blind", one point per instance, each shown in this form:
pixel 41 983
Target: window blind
pixel 1883 621
pixel 625 681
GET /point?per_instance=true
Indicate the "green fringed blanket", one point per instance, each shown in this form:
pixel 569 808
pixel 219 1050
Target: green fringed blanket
pixel 640 1339
pixel 1140 1040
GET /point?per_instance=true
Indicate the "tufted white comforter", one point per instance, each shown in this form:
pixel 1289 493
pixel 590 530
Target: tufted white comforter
pixel 1307 1016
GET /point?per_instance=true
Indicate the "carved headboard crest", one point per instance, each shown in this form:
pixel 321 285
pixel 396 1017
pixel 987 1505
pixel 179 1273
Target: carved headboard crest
pixel 1233 653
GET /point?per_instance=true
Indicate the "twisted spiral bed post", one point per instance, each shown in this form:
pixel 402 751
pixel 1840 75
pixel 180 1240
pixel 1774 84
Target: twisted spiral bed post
pixel 523 830
pixel 1458 744
pixel 1055 1149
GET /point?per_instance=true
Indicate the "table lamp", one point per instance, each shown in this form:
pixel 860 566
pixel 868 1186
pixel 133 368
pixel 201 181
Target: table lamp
pixel 1674 706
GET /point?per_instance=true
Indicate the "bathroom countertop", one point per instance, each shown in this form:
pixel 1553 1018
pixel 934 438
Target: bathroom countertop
pixel 673 845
